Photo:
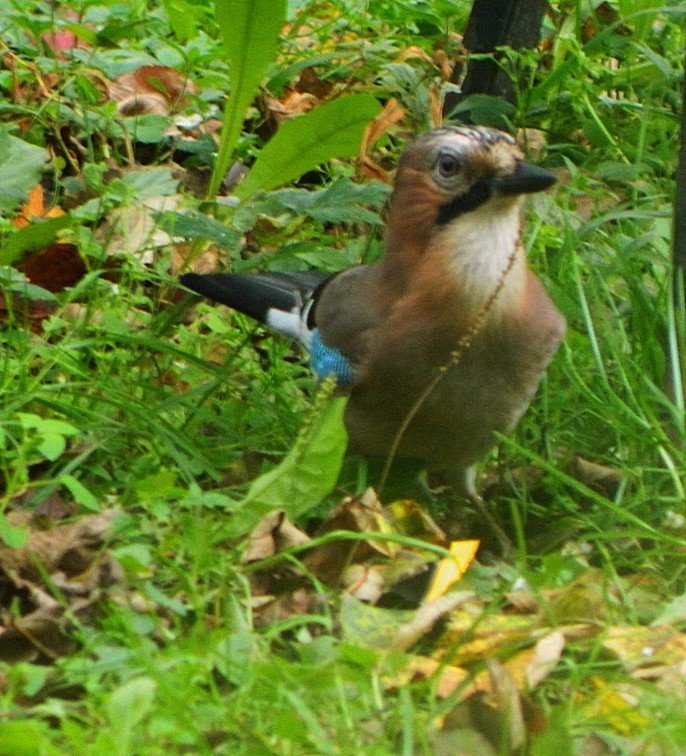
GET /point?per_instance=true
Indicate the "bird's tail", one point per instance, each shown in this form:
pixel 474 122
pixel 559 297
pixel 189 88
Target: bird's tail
pixel 280 300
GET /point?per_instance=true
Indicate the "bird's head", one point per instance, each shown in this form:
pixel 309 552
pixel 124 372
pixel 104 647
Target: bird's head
pixel 457 170
pixel 454 218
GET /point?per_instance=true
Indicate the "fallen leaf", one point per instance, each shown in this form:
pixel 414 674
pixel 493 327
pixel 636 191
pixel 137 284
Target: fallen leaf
pixel 615 703
pixel 54 268
pixel 411 519
pixel 392 113
pixel 68 558
pixel 150 90
pixel 34 207
pixel 528 668
pixel 448 677
pixel 424 618
pixel 645 647
pixel 364 583
pixel 272 535
pixel 451 570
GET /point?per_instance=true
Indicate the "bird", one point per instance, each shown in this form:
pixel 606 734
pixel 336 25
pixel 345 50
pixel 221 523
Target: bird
pixel 444 342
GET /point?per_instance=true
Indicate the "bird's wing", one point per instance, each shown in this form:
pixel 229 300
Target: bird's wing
pixel 330 314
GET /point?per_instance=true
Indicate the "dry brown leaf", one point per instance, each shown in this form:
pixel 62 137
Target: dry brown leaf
pixel 293 104
pixel 71 554
pixel 528 668
pixel 436 105
pixel 269 610
pixel 34 207
pixel 133 230
pixel 598 477
pixel 273 534
pixel 55 267
pixel 490 705
pixel 371 170
pixel 413 52
pixel 150 89
pixel 448 677
pixel 524 601
pixel 392 113
pixel 364 583
pixel 208 261
pixel 69 547
pixel 507 702
pixel 359 515
pixel 646 648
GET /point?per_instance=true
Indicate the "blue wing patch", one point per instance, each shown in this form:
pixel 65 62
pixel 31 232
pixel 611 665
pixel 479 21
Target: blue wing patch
pixel 326 361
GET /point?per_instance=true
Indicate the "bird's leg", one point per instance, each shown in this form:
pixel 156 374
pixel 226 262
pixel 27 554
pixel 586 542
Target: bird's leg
pixel 463 483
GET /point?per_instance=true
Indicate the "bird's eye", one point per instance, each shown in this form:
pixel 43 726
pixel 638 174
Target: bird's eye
pixel 448 165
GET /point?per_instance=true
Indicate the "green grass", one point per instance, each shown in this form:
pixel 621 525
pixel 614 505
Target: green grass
pixel 170 414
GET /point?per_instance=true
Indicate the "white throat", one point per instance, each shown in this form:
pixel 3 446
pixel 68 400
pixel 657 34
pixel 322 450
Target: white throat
pixel 480 245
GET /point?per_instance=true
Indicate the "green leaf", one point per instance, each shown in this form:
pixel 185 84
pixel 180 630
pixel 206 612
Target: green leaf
pixel 51 446
pixel 21 165
pixel 197 226
pixel 370 626
pixel 342 201
pixel 250 33
pixel 332 130
pixel 35 236
pixel 12 536
pixel 304 477
pixel 80 493
pixel 674 613
pixel 127 707
pixel 12 280
pixel 46 424
pixel 24 737
pixel 148 128
pixel 185 18
pixel 151 182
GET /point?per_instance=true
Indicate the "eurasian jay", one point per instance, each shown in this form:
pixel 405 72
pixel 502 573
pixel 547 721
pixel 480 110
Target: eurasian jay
pixel 445 340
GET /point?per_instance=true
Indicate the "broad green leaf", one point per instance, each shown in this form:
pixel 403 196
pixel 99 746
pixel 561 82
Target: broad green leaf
pixel 128 705
pixel 185 18
pixel 341 202
pixel 12 536
pixel 12 280
pixel 196 226
pixel 370 626
pixel 25 737
pixel 35 236
pixel 80 493
pixel 332 130
pixel 250 33
pixel 46 424
pixel 21 165
pixel 51 446
pixel 151 182
pixel 304 477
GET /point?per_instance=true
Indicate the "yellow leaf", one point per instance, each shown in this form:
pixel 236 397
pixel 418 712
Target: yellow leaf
pixel 451 569
pixel 616 704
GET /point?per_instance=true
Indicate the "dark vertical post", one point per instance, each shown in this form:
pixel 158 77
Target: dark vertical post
pixel 493 24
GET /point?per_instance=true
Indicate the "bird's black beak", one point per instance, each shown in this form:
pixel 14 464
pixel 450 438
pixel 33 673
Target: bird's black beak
pixel 525 179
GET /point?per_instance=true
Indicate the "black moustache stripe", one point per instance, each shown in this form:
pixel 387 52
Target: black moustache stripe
pixel 475 197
